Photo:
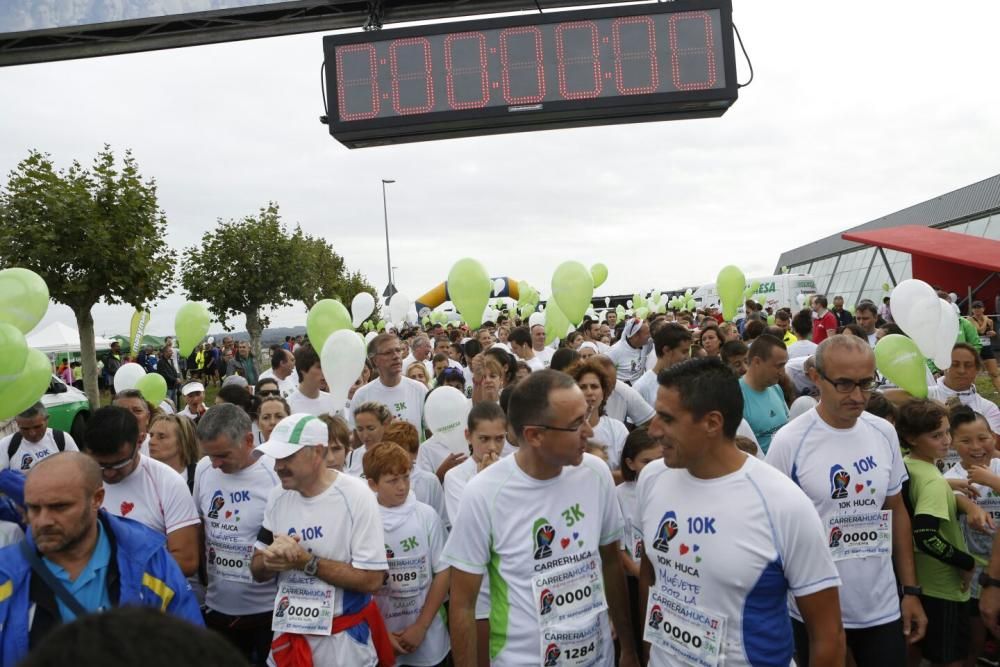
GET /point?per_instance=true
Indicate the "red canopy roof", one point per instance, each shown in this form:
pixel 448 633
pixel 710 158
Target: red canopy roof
pixel 939 244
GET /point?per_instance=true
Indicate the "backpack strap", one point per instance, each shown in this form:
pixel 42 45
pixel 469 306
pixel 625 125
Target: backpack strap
pixel 60 439
pixel 50 580
pixel 15 443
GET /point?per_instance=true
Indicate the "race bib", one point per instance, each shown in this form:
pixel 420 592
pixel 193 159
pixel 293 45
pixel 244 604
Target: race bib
pixel 860 535
pixel 572 648
pixel 695 635
pixel 303 605
pixel 569 594
pixel 950 460
pixel 405 577
pixel 230 561
pixel 984 341
pixel 634 544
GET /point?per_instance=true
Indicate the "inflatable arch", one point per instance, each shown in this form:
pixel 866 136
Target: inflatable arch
pixel 439 294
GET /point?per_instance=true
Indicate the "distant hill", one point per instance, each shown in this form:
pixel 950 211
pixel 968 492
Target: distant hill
pixel 269 337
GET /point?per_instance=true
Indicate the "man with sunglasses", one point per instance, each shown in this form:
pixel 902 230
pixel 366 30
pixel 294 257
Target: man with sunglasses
pixel 849 464
pixel 543 525
pixel 141 488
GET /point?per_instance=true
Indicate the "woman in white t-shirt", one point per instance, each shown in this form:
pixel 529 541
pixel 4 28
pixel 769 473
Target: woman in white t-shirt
pixel 597 385
pixel 370 420
pixel 172 440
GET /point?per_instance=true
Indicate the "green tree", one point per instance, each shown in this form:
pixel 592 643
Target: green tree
pixel 324 274
pixel 92 234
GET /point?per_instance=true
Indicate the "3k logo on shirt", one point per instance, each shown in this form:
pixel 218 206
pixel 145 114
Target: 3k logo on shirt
pixel 544 535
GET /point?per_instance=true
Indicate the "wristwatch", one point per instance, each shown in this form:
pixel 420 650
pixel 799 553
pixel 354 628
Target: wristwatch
pixel 913 590
pixel 986 580
pixel 312 566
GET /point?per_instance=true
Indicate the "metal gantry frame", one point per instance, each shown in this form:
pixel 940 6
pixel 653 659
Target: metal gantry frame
pixel 265 20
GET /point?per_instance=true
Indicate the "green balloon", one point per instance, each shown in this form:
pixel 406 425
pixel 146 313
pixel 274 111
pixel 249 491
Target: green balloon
pixel 380 326
pixel 24 298
pixel 690 304
pixel 556 323
pixel 30 385
pixel 770 320
pixel 324 318
pixel 599 272
pixel 191 325
pixel 730 285
pixel 13 353
pixel 620 312
pixel 899 359
pixel 469 288
pixel 425 320
pixel 642 312
pixel 572 290
pixel 153 387
pixel 526 311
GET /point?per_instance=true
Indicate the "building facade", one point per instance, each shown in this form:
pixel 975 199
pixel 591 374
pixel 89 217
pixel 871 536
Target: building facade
pixel 857 271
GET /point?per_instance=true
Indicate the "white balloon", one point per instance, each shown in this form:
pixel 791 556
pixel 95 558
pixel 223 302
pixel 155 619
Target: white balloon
pixel 536 318
pixel 399 306
pixel 128 375
pixel 446 413
pixel 342 359
pixel 498 286
pixel 607 301
pixel 947 334
pixel 369 337
pixel 362 305
pixel 916 309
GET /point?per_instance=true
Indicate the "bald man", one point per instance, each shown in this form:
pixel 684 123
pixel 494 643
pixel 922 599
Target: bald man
pixel 96 560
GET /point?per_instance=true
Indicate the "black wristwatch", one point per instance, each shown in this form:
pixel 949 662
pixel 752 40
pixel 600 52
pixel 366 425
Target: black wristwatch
pixel 986 580
pixel 312 567
pixel 913 590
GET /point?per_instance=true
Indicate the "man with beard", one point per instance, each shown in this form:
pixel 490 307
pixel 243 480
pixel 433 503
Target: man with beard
pixel 79 559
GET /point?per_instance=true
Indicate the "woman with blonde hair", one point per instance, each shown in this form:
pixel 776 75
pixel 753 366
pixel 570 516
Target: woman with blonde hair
pixel 172 440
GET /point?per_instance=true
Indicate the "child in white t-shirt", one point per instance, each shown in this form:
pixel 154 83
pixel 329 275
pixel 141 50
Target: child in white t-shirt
pixel 978 473
pixel 639 449
pixel 416 585
pixel 338 437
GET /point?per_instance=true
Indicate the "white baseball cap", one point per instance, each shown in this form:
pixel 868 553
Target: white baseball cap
pixel 192 387
pixel 292 434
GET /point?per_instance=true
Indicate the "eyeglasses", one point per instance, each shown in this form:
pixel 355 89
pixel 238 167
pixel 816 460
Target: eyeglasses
pixel 566 429
pixel 269 392
pixel 121 464
pixel 845 386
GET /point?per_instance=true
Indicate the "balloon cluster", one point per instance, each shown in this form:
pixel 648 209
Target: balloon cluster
pixel 24 372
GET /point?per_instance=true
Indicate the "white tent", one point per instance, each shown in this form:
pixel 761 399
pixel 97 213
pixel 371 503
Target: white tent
pixel 57 337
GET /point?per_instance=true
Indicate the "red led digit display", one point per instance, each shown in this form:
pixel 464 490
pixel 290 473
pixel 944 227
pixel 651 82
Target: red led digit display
pixel 580 67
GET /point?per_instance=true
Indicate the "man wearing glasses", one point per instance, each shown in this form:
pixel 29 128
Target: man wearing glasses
pixel 141 488
pixel 404 397
pixel 543 525
pixel 849 464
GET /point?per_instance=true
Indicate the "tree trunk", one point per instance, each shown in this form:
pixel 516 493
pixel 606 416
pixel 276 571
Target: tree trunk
pixel 88 355
pixel 255 330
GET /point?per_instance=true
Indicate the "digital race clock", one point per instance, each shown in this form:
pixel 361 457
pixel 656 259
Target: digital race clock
pixel 532 72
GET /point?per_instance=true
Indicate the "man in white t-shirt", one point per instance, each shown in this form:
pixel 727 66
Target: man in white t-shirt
pixel 309 398
pixel 420 352
pixel 520 345
pixel 283 370
pixel 591 331
pixel 802 326
pixel 404 397
pixel 231 488
pixel 849 464
pixel 543 525
pixel 630 352
pixel 140 488
pixel 717 574
pixel 322 537
pixel 538 344
pixel 866 317
pixel 672 344
pixel 33 441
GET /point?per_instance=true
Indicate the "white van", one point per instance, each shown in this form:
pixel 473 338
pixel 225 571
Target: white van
pixel 781 291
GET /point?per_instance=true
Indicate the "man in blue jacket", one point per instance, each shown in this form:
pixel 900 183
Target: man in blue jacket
pixel 99 561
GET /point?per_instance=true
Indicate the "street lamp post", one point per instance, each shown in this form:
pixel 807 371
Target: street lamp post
pixel 390 289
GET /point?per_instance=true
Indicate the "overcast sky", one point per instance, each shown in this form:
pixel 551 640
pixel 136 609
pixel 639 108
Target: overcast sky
pixel 852 114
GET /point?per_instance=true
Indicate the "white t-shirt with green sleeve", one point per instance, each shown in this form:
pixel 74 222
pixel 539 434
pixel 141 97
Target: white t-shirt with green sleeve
pixel 538 543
